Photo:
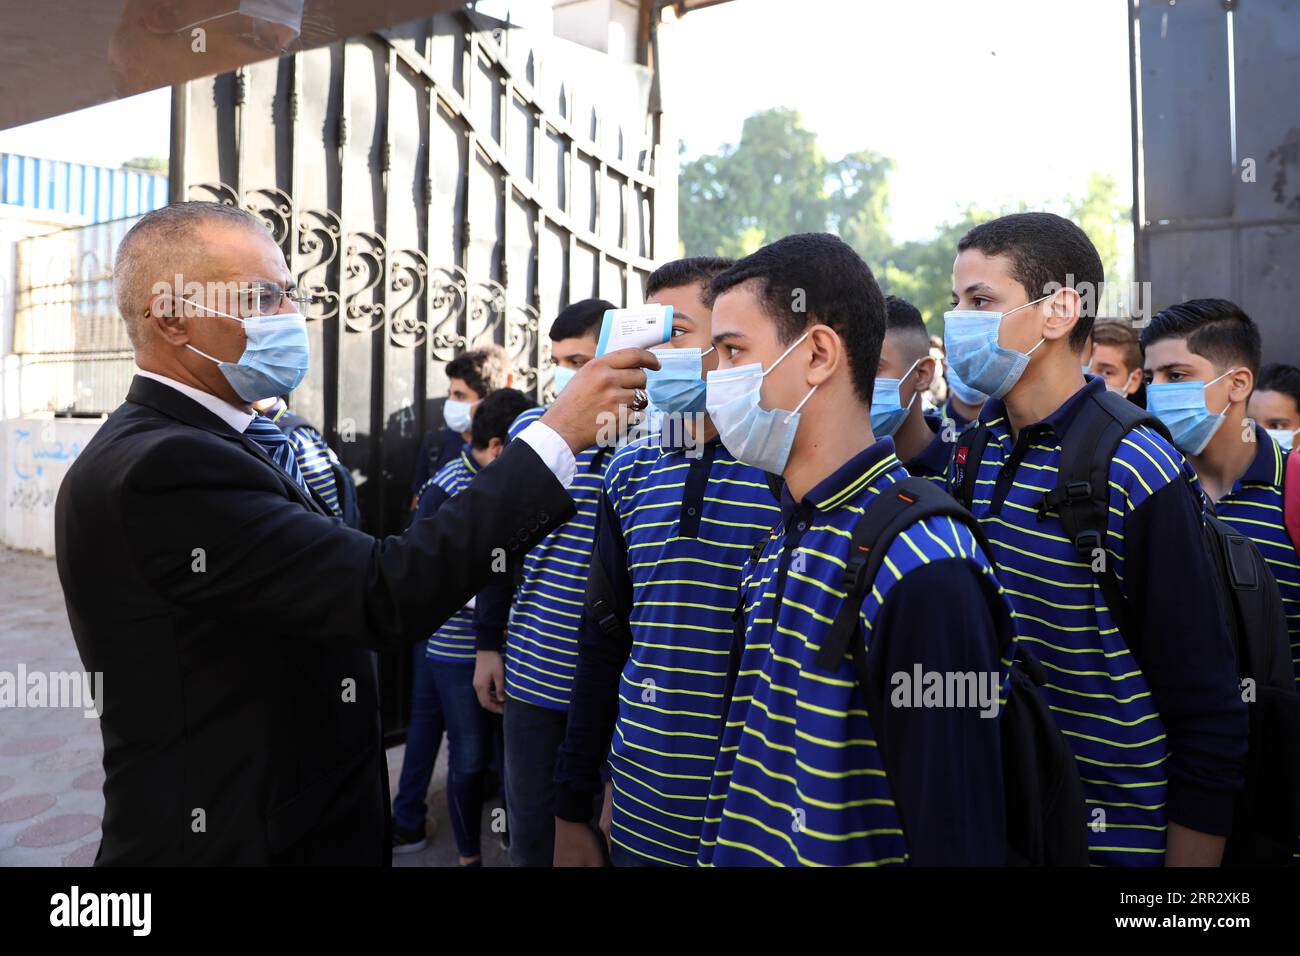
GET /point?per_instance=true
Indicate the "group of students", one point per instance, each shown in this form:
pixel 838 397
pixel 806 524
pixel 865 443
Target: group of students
pixel 696 669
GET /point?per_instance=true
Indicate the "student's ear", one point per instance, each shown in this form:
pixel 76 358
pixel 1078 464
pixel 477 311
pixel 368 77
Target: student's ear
pixel 1240 384
pixel 1063 310
pixel 494 448
pixel 925 373
pixel 1134 381
pixel 827 353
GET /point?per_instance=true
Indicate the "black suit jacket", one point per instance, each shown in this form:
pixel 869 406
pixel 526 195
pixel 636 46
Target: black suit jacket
pixel 235 624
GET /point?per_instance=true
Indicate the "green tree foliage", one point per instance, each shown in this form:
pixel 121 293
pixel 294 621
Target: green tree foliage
pixel 776 181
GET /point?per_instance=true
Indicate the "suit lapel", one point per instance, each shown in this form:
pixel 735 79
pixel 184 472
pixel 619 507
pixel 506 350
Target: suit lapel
pixel 174 404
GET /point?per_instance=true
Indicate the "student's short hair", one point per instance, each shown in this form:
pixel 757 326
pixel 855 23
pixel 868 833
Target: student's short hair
pixel 904 320
pixel 1281 378
pixel 1119 335
pixel 829 282
pixel 1215 329
pixel 494 415
pixel 1045 248
pixel 683 272
pixel 579 318
pixel 484 369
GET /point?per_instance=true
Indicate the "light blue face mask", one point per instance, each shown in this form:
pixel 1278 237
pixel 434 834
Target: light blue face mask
pixel 887 411
pixel 757 436
pixel 1181 406
pixel 970 341
pixel 1283 437
pixel 563 376
pixel 678 384
pixel 276 355
pixel 963 392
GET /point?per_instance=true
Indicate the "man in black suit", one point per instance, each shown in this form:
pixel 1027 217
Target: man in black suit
pixel 235 622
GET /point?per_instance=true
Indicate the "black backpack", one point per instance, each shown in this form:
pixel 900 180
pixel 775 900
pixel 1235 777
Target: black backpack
pixel 347 488
pixel 1267 815
pixel 1046 818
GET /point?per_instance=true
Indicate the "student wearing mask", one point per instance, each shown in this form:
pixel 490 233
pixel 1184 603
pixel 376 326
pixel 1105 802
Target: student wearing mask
pixel 1116 357
pixel 442 692
pixel 678 520
pixel 1275 402
pixel 800 778
pixel 471 377
pixel 964 402
pixel 1201 359
pixel 905 372
pixel 527 629
pixel 1154 717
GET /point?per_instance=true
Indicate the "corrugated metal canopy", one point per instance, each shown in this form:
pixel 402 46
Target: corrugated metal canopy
pixel 62 55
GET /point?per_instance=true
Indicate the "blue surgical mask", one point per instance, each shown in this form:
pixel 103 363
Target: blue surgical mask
pixel 458 415
pixel 757 436
pixel 678 384
pixel 276 355
pixel 887 411
pixel 970 341
pixel 1181 407
pixel 1283 437
pixel 963 392
pixel 563 376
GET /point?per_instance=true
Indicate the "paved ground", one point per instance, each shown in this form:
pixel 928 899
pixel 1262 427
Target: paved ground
pixel 51 774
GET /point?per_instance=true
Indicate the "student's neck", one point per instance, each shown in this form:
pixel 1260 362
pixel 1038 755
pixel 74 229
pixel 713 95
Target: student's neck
pixel 1043 389
pixel 702 424
pixel 1227 456
pixel 482 456
pixel 827 438
pixel 914 435
pixel 968 412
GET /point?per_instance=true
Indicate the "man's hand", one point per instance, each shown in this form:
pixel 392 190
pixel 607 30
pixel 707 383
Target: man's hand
pixel 589 404
pixel 576 844
pixel 490 681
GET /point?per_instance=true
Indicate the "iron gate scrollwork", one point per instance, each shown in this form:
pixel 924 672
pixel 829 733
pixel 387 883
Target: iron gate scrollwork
pixel 447 183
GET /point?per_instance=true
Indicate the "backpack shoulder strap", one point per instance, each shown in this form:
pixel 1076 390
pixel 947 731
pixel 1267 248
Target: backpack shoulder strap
pixel 1082 494
pixel 967 453
pixel 894 510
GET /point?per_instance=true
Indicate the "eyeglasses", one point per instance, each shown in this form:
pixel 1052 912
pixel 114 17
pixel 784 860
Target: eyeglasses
pixel 266 298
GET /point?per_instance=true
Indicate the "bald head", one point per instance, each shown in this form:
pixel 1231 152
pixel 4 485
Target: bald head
pixel 173 241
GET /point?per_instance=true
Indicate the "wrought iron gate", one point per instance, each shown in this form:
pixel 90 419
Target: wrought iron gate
pixel 446 183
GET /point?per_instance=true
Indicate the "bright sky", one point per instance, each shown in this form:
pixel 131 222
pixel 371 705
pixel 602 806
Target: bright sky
pixel 975 102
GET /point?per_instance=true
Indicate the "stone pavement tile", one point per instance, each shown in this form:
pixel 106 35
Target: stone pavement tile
pixel 26 806
pixel 59 830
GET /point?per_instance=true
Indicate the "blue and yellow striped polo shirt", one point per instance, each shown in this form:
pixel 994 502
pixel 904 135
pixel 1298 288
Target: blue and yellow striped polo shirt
pixel 799 778
pixel 1097 691
pixel 688 522
pixel 542 634
pixel 453 643
pixel 314 460
pixel 932 462
pixel 1254 508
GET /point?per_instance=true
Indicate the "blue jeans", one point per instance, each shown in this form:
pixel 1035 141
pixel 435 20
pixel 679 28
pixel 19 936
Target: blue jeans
pixel 469 741
pixel 423 737
pixel 533 737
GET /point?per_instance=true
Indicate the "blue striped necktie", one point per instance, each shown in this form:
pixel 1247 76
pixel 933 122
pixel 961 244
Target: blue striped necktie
pixel 276 444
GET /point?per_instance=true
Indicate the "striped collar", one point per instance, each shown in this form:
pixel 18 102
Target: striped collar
pixel 467 457
pixel 994 412
pixel 1266 467
pixel 844 484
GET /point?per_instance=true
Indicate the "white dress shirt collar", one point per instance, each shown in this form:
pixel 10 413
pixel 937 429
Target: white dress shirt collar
pixel 236 418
